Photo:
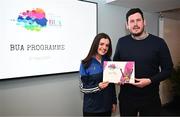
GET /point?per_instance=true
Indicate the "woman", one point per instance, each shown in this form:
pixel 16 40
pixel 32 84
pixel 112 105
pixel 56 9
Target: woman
pixel 99 97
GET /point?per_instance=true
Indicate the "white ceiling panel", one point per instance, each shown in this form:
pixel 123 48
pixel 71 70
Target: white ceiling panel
pixel 147 5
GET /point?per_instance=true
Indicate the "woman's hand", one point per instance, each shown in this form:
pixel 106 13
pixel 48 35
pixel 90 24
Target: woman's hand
pixel 114 107
pixel 103 85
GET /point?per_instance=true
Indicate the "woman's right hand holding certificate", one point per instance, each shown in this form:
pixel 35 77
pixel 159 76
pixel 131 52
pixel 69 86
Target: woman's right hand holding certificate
pixel 103 85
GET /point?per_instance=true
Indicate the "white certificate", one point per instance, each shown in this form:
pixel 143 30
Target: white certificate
pixel 119 71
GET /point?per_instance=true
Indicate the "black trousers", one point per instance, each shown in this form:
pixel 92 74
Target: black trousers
pixel 105 114
pixel 134 106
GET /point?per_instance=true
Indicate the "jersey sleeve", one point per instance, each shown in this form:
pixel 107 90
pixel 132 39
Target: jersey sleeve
pixel 86 86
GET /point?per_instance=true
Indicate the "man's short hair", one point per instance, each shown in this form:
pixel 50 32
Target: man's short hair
pixel 133 11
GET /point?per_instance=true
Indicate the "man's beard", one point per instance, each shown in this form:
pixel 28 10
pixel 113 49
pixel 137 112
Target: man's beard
pixel 138 34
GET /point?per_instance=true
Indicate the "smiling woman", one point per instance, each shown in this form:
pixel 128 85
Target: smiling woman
pixel 99 97
pixel 31 29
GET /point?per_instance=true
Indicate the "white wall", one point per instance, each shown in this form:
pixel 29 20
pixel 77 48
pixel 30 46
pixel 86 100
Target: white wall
pixel 172 37
pixel 170 31
pixel 59 95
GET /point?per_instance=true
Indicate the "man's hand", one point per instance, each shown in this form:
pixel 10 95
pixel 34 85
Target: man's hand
pixel 141 82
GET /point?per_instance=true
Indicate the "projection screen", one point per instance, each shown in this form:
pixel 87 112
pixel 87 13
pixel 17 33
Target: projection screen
pixel 45 37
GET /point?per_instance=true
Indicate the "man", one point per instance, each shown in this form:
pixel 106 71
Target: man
pixel 153 64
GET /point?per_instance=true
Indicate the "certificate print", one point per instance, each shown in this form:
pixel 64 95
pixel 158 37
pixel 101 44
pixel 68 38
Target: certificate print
pixel 119 71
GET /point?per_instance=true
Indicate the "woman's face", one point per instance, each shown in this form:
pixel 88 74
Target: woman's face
pixel 103 46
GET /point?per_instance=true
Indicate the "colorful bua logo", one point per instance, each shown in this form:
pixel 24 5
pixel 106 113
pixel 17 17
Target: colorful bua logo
pixel 33 20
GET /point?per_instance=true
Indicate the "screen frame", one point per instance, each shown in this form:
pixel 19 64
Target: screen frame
pixel 62 73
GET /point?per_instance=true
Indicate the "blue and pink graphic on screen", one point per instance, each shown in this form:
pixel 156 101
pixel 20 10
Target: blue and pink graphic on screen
pixel 33 20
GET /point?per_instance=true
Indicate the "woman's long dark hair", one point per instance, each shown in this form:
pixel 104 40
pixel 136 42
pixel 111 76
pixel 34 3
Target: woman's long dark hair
pixel 94 48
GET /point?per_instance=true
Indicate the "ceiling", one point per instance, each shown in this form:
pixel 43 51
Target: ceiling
pixel 168 8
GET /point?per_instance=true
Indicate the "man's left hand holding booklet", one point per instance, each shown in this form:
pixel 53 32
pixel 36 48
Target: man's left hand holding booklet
pixel 119 71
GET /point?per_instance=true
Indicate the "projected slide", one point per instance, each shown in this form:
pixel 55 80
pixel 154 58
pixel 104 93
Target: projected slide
pixel 42 37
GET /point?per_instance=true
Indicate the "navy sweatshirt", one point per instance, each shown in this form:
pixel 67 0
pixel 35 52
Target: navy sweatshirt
pixel 96 100
pixel 149 55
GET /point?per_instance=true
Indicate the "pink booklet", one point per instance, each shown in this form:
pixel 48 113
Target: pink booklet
pixel 119 71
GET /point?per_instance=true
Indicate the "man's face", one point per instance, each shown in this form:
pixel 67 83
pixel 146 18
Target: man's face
pixel 135 24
